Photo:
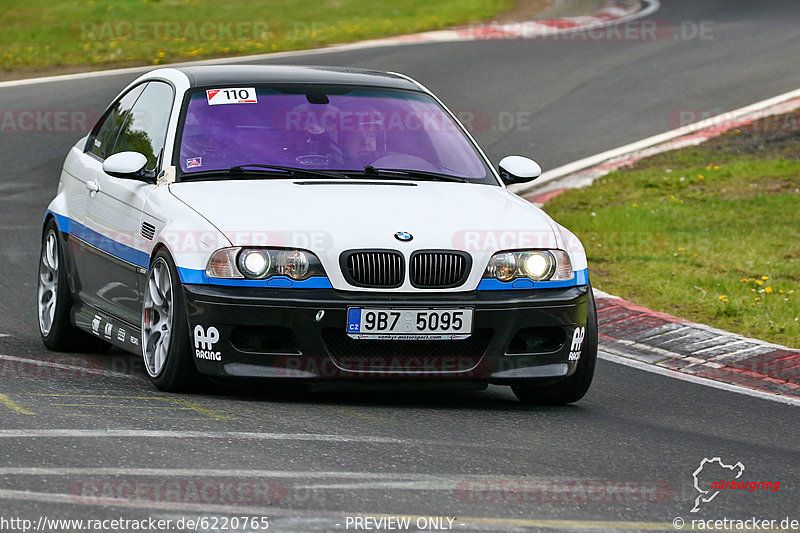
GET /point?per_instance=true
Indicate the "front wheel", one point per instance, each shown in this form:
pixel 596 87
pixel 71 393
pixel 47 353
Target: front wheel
pixel 165 333
pixel 572 388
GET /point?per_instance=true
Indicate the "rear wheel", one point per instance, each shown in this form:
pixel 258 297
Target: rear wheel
pixel 572 388
pixel 54 301
pixel 166 345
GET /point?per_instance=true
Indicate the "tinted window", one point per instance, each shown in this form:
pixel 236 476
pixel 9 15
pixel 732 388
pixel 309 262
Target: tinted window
pixel 104 134
pixel 336 128
pixel 146 125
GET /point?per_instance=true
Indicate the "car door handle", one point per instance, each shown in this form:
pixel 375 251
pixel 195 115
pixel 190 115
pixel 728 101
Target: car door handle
pixel 92 186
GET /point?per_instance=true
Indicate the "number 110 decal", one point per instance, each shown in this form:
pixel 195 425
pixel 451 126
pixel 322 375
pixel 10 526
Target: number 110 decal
pixel 233 95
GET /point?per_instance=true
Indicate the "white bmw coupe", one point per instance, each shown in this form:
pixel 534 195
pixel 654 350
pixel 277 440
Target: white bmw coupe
pixel 309 224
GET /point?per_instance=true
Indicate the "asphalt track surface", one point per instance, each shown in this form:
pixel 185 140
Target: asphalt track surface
pixel 66 434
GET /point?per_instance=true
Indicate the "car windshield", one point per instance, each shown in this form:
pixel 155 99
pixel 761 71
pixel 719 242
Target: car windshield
pixel 326 128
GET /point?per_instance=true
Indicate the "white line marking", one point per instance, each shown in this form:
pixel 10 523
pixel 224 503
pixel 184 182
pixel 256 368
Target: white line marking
pixel 600 294
pixel 649 142
pixel 242 435
pixel 698 380
pixel 434 37
pixel 241 473
pixel 136 433
pixel 667 331
pixel 428 485
pixel 732 342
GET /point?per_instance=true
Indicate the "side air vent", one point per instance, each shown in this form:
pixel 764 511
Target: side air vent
pixel 148 231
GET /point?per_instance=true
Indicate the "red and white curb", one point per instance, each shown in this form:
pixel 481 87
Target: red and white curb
pixel 613 12
pixel 635 332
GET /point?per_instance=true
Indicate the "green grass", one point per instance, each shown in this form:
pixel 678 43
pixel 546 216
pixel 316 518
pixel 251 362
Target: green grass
pixel 52 33
pixel 710 233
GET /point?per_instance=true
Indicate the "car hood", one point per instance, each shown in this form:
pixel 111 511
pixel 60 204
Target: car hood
pixel 331 217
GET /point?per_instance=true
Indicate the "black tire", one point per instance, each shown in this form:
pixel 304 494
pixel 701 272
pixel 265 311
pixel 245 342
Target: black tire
pixel 177 371
pixel 57 332
pixel 572 388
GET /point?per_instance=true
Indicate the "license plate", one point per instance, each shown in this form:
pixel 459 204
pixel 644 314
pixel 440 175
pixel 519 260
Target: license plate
pixel 409 324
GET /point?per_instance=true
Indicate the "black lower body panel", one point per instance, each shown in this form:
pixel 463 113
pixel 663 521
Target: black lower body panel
pixel 301 334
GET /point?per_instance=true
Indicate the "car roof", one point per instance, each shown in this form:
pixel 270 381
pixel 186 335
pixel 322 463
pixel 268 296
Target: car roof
pixel 218 75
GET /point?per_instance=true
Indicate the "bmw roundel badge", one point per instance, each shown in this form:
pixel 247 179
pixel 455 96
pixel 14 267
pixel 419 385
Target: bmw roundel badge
pixel 403 236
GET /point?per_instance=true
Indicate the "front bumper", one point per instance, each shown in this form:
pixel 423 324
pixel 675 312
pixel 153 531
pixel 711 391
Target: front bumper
pixel 300 334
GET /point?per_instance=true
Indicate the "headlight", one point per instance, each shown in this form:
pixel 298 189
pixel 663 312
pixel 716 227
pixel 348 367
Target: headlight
pixel 254 263
pixel 262 263
pixel 538 265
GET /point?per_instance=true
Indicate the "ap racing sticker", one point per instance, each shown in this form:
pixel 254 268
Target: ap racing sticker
pixel 235 95
pixel 577 342
pixel 204 341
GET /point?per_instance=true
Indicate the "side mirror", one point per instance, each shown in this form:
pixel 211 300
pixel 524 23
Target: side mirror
pixel 127 165
pixel 518 169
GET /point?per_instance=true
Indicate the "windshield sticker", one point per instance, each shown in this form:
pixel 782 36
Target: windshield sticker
pixel 235 95
pixel 194 162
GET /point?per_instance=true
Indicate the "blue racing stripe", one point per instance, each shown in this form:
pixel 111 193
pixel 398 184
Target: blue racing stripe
pixel 581 277
pixel 190 276
pixel 101 242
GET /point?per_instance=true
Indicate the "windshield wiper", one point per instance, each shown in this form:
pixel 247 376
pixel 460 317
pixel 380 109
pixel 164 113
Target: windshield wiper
pixel 284 171
pixel 369 170
pixel 328 174
pixel 292 171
